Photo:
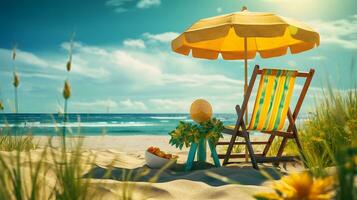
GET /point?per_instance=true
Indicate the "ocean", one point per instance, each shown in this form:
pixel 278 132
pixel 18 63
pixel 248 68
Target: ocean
pixel 98 124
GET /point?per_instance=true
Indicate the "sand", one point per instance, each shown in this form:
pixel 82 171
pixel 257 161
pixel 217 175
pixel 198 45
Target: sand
pixel 124 154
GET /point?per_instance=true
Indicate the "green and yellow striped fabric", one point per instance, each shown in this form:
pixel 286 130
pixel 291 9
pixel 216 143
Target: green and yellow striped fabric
pixel 272 100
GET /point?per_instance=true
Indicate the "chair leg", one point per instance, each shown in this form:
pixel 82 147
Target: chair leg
pixel 267 146
pixel 296 138
pixel 250 150
pixel 281 150
pixel 229 150
pixel 298 143
pixel 282 147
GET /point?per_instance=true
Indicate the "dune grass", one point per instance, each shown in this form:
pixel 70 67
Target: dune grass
pixel 13 174
pixel 58 173
pixel 10 142
pixel 331 129
pixel 290 148
pixel 329 140
pixel 67 166
pixel 68 169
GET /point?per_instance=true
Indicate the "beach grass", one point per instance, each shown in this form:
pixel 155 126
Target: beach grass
pixel 330 129
pixel 12 176
pixel 9 142
pixel 68 169
pixel 329 141
pixel 290 148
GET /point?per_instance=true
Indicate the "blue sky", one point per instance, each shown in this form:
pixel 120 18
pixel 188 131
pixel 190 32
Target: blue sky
pixel 123 61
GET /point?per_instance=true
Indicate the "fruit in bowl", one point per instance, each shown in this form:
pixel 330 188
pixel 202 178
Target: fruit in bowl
pixel 155 158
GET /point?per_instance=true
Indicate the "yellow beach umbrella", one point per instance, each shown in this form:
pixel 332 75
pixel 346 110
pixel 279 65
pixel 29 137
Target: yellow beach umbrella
pixel 241 35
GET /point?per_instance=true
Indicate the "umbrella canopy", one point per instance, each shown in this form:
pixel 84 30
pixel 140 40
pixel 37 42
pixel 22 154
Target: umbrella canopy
pixel 241 35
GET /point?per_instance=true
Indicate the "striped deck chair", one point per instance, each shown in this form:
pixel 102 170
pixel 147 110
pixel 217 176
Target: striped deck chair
pixel 271 109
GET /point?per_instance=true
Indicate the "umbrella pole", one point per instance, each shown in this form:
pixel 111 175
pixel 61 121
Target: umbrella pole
pixel 246 85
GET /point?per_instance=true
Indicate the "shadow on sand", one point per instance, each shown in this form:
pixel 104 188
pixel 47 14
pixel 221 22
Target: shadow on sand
pixel 242 175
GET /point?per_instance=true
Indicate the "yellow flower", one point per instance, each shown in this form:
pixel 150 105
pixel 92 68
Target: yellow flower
pixel 301 186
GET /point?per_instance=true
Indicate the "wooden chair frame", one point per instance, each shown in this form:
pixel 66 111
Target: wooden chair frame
pixel 240 129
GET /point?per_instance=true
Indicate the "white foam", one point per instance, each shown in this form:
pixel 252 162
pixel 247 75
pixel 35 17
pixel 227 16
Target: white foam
pixel 79 124
pixel 178 117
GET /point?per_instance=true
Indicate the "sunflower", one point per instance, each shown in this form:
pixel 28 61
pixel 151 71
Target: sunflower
pixel 300 186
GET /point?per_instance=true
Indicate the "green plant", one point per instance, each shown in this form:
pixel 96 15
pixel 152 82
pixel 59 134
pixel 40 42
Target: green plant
pixel 12 177
pixel 69 170
pixel 346 160
pixel 334 121
pixel 290 148
pixel 186 133
pixel 315 159
pixel 329 138
pixel 9 142
pixel 236 148
pixel 67 166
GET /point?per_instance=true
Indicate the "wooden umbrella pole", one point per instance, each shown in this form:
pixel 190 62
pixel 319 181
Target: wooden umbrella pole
pixel 246 85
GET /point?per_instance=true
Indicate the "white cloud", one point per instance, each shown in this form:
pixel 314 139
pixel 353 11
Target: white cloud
pixel 95 105
pixel 119 5
pixel 162 37
pixel 133 105
pixel 89 67
pixel 144 68
pixel 116 2
pixel 342 32
pixel 219 9
pixel 135 68
pixel 30 58
pixel 88 61
pixel 23 57
pixel 41 75
pixel 83 48
pixel 136 43
pixel 142 4
pixel 170 105
pixel 208 80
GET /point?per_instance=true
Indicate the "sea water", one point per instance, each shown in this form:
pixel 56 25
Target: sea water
pixel 98 124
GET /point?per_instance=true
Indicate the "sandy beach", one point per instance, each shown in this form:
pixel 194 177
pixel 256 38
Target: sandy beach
pixel 121 154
